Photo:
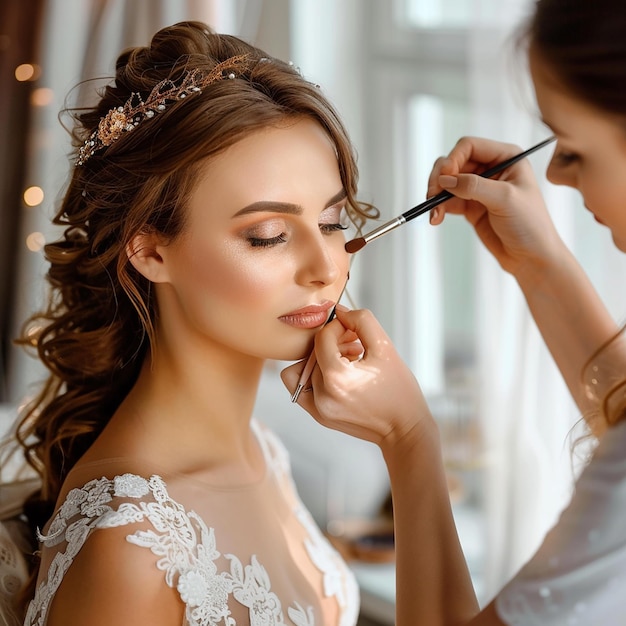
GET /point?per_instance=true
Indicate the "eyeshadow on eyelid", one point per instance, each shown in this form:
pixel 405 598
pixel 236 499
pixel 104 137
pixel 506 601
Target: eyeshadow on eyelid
pixel 265 229
pixel 335 210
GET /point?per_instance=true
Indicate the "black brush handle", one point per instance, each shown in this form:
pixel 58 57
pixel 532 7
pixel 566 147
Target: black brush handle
pixel 442 196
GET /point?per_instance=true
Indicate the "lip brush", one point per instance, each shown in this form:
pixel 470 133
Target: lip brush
pixel 355 245
pixel 312 360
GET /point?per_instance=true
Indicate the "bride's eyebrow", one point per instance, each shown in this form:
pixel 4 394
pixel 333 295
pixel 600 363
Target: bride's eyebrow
pixel 271 206
pixel 338 197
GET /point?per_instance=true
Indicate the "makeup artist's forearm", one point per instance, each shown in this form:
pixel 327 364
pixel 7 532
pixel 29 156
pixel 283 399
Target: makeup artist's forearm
pixel 571 317
pixel 433 583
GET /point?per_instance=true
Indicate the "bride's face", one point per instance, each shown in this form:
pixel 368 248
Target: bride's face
pixel 261 260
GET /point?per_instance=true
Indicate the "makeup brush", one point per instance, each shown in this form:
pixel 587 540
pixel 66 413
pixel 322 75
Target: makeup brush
pixel 355 245
pixel 312 360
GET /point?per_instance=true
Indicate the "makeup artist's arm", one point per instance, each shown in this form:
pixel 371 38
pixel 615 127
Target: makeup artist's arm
pixel 510 218
pixel 377 398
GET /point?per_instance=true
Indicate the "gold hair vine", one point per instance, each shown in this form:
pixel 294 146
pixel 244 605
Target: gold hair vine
pixel 126 118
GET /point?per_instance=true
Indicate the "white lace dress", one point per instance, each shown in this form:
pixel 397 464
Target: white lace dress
pixel 248 555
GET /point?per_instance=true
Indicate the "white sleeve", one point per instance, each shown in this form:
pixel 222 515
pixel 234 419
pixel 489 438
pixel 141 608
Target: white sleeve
pixel 578 575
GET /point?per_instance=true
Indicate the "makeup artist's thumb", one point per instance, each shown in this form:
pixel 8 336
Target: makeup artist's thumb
pixel 487 191
pixel 363 324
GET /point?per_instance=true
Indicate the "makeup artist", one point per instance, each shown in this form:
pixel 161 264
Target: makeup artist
pixel 577 55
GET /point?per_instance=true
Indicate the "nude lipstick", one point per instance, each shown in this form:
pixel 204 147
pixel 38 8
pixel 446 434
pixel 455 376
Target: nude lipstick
pixel 310 316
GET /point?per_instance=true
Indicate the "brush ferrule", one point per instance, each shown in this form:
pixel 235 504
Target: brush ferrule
pixel 385 228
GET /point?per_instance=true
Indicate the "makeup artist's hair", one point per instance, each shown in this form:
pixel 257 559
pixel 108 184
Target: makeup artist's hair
pixel 584 43
pixel 98 325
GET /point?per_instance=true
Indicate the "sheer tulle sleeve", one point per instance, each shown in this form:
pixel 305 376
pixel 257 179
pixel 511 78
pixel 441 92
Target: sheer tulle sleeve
pixel 180 548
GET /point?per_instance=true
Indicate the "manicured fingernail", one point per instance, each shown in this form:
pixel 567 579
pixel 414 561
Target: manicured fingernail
pixel 434 214
pixel 341 307
pixel 448 182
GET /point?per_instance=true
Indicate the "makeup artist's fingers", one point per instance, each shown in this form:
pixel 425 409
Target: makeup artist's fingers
pixel 441 165
pixel 508 211
pixel 469 155
pixel 510 217
pixel 352 351
pixel 375 397
pixel 291 375
pixel 491 193
pixel 349 347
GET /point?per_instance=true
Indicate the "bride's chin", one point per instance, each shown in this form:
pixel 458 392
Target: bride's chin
pixel 295 354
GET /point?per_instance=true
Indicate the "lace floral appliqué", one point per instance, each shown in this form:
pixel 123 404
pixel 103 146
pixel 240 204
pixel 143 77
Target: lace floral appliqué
pixel 207 581
pixel 186 550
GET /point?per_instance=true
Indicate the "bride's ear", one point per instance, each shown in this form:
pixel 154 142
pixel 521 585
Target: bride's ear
pixel 144 252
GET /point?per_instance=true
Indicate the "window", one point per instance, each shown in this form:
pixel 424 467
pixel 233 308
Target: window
pixel 418 103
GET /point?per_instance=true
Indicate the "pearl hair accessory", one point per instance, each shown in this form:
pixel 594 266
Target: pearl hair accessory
pixel 135 110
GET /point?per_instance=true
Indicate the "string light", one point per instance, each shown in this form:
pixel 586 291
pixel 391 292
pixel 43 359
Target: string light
pixel 42 96
pixel 27 71
pixel 35 241
pixel 33 196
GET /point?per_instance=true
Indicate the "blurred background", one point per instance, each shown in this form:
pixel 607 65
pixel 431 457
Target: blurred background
pixel 409 77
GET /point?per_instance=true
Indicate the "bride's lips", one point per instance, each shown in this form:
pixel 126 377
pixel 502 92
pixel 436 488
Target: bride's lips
pixel 310 316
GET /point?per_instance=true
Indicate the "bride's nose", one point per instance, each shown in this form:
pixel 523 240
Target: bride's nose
pixel 318 265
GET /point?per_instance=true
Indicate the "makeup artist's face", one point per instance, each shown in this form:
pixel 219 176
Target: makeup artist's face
pixel 590 153
pixel 262 259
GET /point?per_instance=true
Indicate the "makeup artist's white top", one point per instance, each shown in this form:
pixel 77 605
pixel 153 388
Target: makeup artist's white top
pixel 245 555
pixel 578 575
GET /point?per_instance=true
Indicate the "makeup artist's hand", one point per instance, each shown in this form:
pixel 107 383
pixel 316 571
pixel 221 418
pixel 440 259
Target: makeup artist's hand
pixel 373 396
pixel 507 212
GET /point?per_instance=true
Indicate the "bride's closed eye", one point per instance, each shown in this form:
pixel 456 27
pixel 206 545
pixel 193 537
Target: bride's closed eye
pixel 266 242
pixel 259 242
pixel 266 234
pixel 330 228
pixel 333 219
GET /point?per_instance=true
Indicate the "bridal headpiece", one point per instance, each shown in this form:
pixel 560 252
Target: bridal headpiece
pixel 126 118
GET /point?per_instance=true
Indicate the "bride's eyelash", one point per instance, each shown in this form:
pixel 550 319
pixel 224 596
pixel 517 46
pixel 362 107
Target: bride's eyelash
pixel 257 242
pixel 329 228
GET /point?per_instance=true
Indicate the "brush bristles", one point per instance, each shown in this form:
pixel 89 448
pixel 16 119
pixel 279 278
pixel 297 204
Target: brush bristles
pixel 355 245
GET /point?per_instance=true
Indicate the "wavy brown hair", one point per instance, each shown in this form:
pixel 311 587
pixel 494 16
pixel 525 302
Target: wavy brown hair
pixel 585 44
pixel 98 325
